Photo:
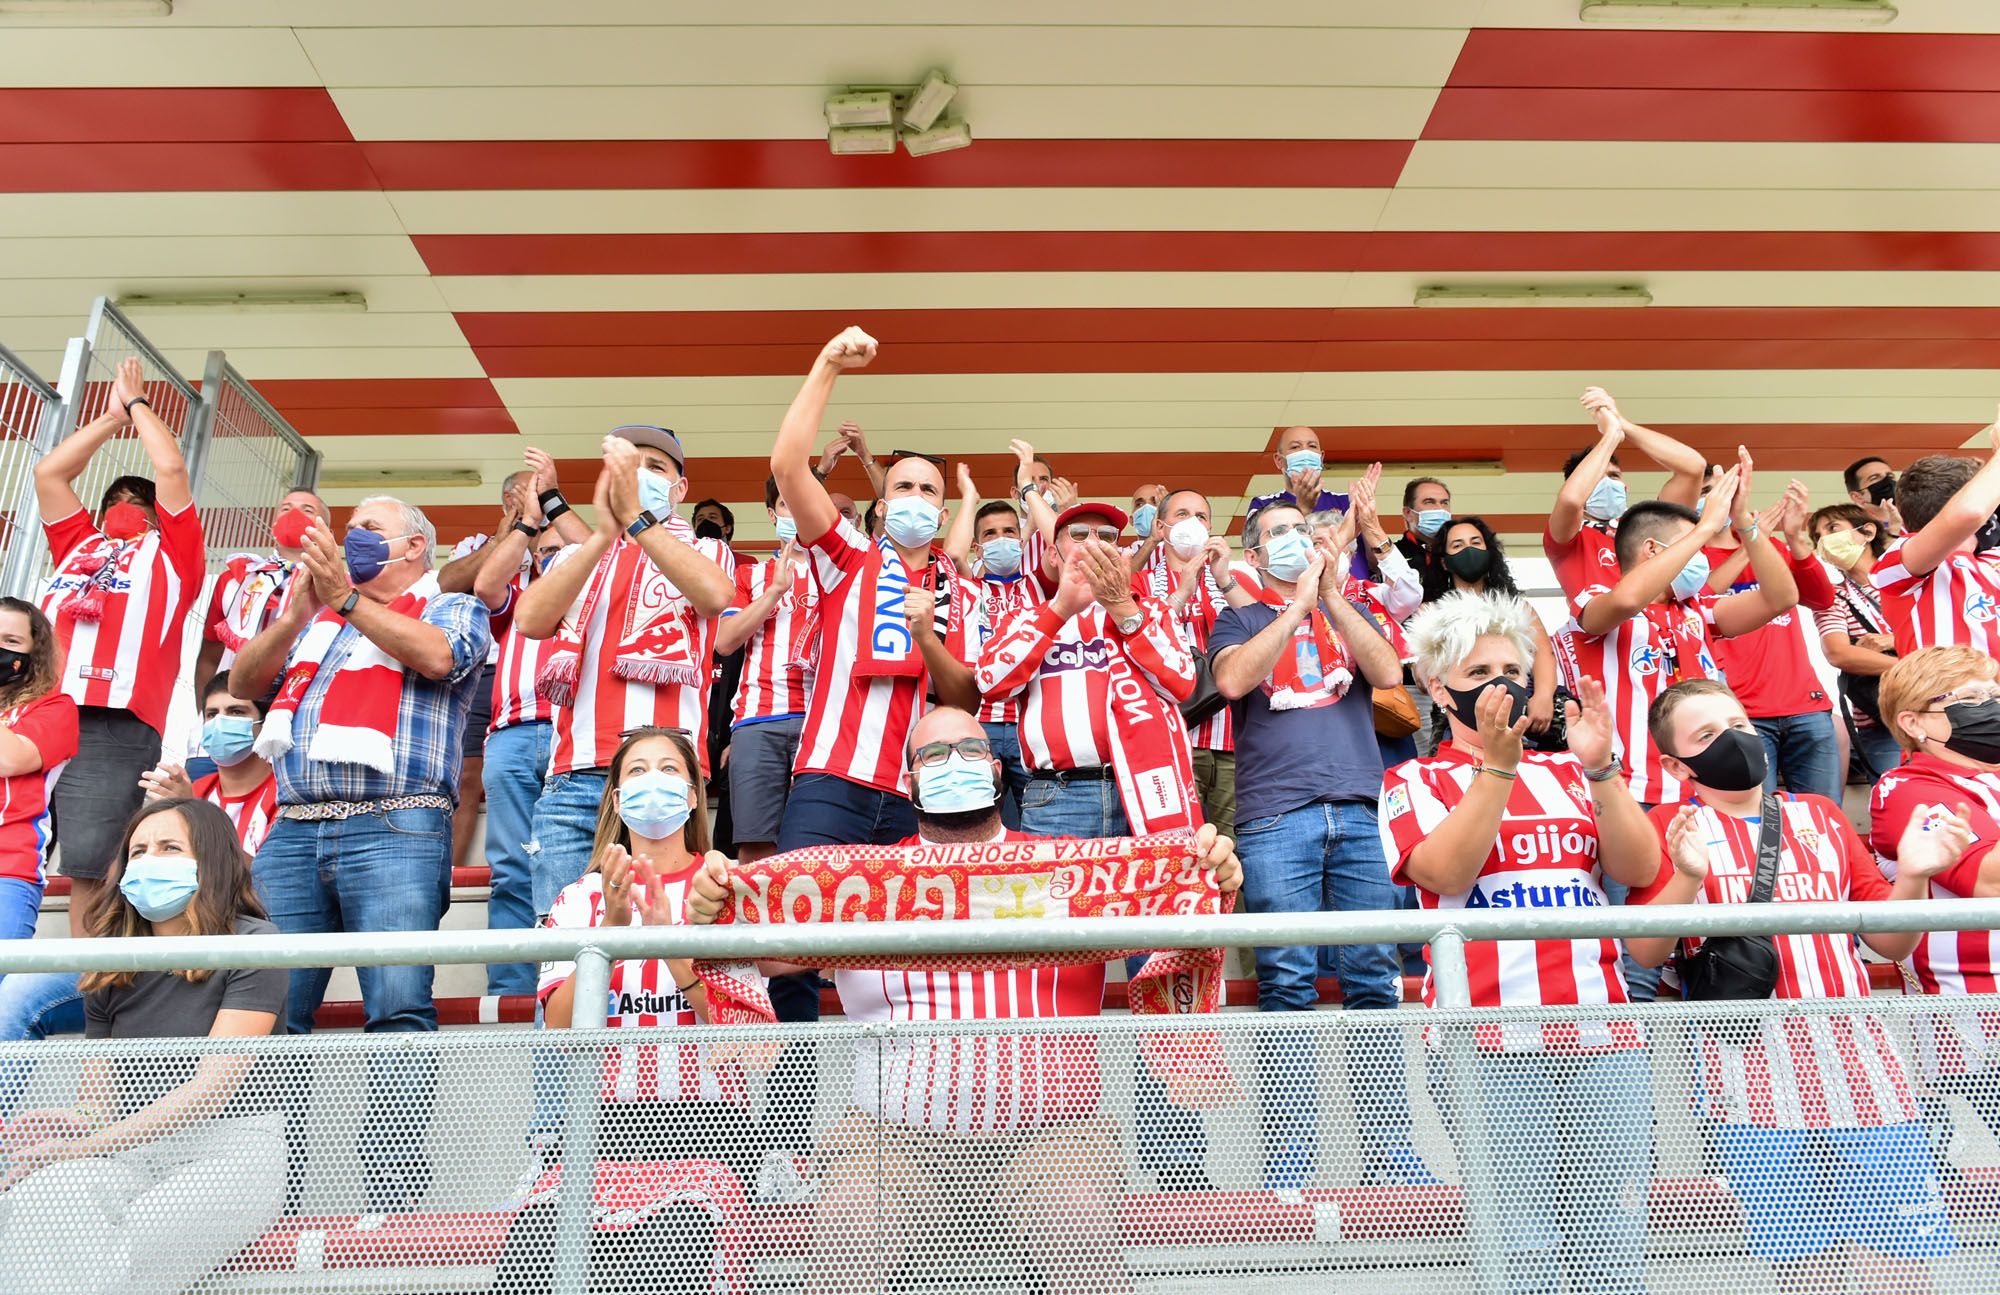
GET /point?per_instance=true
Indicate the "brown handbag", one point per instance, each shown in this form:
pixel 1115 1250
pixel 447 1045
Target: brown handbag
pixel 1395 712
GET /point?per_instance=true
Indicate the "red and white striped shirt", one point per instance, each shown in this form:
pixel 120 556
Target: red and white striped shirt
pixel 1946 962
pixel 1159 581
pixel 250 593
pixel 130 657
pixel 1637 661
pixel 49 722
pixel 1001 598
pixel 1061 669
pixel 1545 857
pixel 777 659
pixel 856 725
pixel 976 1083
pixel 251 814
pixel 1956 604
pixel 1589 559
pixel 643 996
pixel 1806 1071
pixel 642 597
pixel 518 663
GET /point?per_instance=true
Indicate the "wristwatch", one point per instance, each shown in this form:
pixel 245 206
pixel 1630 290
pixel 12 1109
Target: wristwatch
pixel 348 604
pixel 1127 624
pixel 644 521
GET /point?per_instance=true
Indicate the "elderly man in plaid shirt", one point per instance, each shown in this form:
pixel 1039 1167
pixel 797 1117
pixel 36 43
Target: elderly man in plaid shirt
pixel 379 670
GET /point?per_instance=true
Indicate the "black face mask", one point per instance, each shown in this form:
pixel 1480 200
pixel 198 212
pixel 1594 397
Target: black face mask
pixel 1975 730
pixel 1882 491
pixel 1988 536
pixel 1463 700
pixel 708 529
pixel 13 666
pixel 1469 564
pixel 1734 761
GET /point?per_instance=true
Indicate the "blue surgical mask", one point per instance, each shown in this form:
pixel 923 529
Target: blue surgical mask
pixel 367 553
pixel 542 564
pixel 160 886
pixel 1143 518
pixel 1287 556
pixel 788 530
pixel 228 739
pixel 654 804
pixel 656 494
pixel 1303 461
pixel 911 522
pixel 955 786
pixel 1693 577
pixel 1431 520
pixel 1001 557
pixel 1607 501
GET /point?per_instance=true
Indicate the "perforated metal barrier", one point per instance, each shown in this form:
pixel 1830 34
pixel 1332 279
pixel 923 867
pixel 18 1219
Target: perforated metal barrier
pixel 1671 1147
pixel 1427 1163
pixel 245 463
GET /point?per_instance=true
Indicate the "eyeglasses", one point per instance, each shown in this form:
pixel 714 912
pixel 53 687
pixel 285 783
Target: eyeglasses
pixel 897 456
pixel 1284 529
pixel 1970 693
pixel 1082 534
pixel 936 753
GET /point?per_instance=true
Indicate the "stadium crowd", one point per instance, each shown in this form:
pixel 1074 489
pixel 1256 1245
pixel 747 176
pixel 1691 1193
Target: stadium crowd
pixel 1356 711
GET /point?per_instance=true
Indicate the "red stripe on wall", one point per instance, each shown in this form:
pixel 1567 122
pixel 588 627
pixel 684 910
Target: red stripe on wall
pixel 1793 447
pixel 1790 116
pixel 182 167
pixel 163 116
pixel 1728 60
pixel 806 164
pixel 379 393
pixel 1046 251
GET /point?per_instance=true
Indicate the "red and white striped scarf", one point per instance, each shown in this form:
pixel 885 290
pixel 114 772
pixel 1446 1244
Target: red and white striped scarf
pixel 1287 687
pixel 247 602
pixel 652 645
pixel 366 692
pixel 1041 880
pixel 888 648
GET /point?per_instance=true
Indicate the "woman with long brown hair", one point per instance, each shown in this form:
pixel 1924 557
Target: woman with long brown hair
pixel 664 1102
pixel 37 734
pixel 167 1165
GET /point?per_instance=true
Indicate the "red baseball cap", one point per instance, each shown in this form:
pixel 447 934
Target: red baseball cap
pixel 1110 513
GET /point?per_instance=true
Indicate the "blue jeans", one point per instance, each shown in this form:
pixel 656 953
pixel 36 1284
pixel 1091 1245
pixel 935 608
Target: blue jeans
pixel 1171 1140
pixel 825 809
pixel 1569 1141
pixel 34 1007
pixel 1323 857
pixel 1800 750
pixel 565 824
pixel 373 872
pixel 1006 742
pixel 1879 750
pixel 20 905
pixel 516 758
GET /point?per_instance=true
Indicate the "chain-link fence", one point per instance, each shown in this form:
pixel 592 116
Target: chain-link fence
pixel 27 413
pixel 248 459
pixel 1383 1151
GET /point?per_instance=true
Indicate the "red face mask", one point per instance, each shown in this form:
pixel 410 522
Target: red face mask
pixel 289 530
pixel 124 521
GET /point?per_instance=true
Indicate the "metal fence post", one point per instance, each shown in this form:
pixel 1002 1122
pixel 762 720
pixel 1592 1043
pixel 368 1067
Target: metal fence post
pixel 201 423
pixel 22 572
pixel 1452 985
pixel 588 1011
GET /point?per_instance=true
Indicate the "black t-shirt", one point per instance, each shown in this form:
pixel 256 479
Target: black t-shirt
pixel 162 1005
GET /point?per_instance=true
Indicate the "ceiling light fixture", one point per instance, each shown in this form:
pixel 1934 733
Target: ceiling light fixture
pixel 862 139
pixel 91 8
pixel 941 138
pixel 404 478
pixel 927 101
pixel 1507 296
pixel 1773 13
pixel 861 108
pixel 277 303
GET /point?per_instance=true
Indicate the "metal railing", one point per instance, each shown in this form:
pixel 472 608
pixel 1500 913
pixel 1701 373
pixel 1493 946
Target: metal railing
pixel 1391 1150
pixel 242 455
pixel 28 410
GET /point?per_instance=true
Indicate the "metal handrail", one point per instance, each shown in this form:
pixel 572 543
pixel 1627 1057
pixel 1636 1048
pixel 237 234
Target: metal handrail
pixel 914 939
pixel 18 371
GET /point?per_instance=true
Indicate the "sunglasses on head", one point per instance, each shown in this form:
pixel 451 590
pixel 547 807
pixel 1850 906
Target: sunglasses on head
pixel 936 460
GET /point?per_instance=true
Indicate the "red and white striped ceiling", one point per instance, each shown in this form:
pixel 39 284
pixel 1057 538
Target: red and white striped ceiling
pixel 1171 237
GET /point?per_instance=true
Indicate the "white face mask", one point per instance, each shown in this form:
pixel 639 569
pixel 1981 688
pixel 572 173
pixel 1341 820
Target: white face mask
pixel 1187 535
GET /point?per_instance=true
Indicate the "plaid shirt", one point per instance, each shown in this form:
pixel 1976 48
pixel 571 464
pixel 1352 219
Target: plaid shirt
pixel 430 721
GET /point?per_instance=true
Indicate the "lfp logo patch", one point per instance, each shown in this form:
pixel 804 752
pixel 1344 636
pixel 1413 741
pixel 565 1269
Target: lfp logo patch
pixel 1397 802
